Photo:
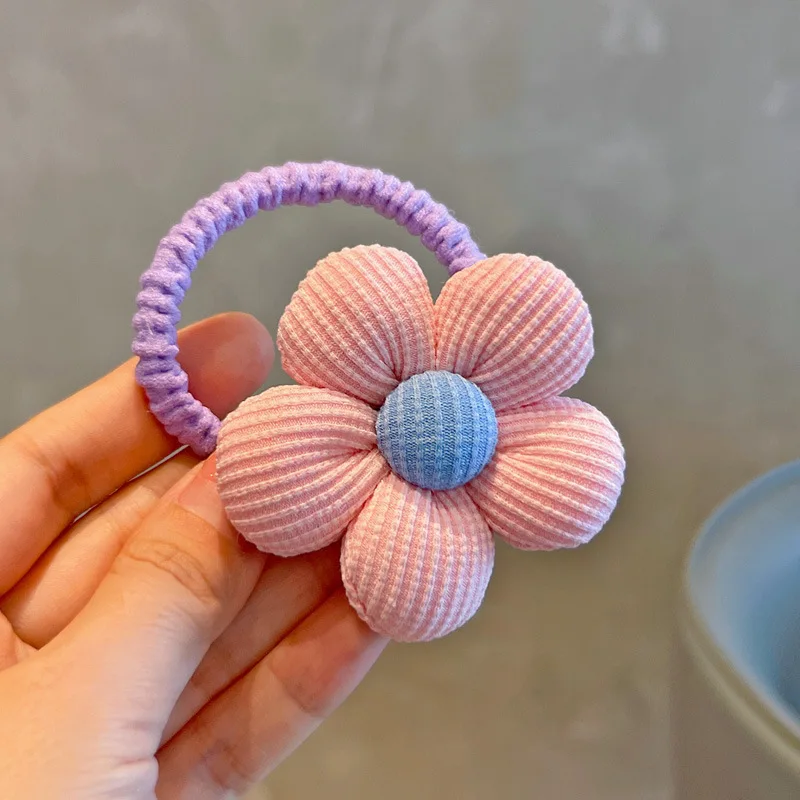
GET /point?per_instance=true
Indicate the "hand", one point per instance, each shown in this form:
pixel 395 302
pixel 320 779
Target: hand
pixel 145 650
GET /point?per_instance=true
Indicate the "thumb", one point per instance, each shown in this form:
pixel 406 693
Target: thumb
pixel 176 585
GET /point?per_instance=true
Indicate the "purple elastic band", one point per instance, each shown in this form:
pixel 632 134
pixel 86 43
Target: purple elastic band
pixel 165 283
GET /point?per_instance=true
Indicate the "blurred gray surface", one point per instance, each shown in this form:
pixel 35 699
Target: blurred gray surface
pixel 649 148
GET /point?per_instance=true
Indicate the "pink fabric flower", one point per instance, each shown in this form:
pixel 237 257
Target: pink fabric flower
pixel 299 467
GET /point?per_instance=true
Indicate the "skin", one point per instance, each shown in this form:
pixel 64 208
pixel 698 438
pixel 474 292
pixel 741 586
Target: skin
pixel 145 649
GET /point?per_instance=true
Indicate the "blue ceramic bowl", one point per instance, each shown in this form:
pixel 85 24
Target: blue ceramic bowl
pixel 736 715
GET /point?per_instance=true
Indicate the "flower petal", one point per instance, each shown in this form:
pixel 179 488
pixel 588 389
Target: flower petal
pixel 294 466
pixel 555 478
pixel 516 326
pixel 416 563
pixel 360 322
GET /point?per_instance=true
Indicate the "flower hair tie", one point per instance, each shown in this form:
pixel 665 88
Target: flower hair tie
pixel 418 429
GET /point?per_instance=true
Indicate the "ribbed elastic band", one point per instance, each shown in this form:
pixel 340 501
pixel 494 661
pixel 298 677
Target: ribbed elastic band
pixel 164 284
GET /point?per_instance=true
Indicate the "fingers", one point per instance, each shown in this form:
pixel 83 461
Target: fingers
pixel 249 729
pixel 175 586
pixel 75 454
pixel 12 648
pixel 286 593
pixel 63 580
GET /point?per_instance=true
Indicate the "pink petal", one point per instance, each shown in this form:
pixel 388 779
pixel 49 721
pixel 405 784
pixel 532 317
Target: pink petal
pixel 361 322
pixel 416 563
pixel 516 326
pixel 555 478
pixel 295 465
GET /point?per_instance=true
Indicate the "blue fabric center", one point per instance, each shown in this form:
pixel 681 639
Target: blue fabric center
pixel 437 430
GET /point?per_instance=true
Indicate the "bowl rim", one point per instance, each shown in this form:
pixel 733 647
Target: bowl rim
pixel 760 711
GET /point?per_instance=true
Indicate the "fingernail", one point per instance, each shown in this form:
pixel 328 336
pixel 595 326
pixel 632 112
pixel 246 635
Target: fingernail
pixel 201 497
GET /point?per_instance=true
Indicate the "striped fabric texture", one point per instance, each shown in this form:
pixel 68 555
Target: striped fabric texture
pixel 295 466
pixel 551 483
pixel 437 430
pixel 420 429
pixel 360 323
pixel 516 326
pixel 426 571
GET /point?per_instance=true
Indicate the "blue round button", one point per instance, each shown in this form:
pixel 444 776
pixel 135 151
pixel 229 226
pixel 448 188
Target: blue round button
pixel 437 430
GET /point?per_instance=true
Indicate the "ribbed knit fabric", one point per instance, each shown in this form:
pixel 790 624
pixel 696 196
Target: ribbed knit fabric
pixel 165 282
pixel 416 563
pixel 471 380
pixel 555 478
pixel 361 322
pixel 295 465
pixel 298 466
pixel 437 430
pixel 517 327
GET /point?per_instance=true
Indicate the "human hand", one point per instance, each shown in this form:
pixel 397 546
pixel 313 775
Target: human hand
pixel 145 650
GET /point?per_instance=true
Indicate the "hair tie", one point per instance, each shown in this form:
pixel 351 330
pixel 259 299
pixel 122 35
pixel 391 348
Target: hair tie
pixel 417 429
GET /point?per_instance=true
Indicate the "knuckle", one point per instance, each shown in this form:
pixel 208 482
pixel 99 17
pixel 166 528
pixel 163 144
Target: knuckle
pixel 66 483
pixel 236 768
pixel 309 697
pixel 179 565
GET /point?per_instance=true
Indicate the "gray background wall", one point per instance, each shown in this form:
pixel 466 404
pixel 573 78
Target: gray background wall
pixel 649 147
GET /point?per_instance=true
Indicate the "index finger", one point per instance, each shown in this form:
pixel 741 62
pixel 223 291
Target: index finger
pixel 73 455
